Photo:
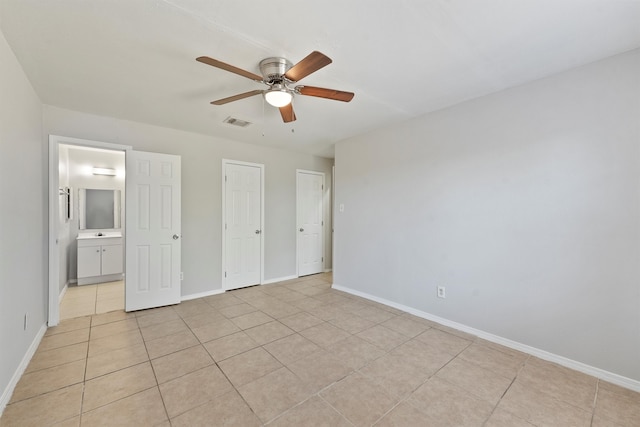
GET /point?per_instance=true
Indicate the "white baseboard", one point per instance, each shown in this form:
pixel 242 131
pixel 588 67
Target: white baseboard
pixel 279 279
pixel 542 354
pixel 328 270
pixel 64 291
pixel 8 391
pixel 201 294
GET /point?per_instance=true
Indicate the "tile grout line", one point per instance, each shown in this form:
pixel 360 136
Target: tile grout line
pixel 406 398
pixel 86 364
pixel 560 399
pixel 505 392
pixel 95 300
pixel 595 402
pixel 155 376
pixel 235 388
pixel 332 407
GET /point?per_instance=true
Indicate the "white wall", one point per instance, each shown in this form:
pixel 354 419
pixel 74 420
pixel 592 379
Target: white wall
pixel 23 217
pixel 525 204
pixel 202 189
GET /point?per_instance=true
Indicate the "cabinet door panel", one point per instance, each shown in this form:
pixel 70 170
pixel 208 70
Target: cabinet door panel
pixel 89 261
pixel 111 259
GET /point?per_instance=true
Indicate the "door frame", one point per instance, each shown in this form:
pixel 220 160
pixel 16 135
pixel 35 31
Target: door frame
pixel 333 215
pixel 226 162
pixel 54 181
pixel 324 219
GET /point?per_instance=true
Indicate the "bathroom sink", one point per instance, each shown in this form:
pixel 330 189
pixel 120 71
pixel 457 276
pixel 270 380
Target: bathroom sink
pixel 100 235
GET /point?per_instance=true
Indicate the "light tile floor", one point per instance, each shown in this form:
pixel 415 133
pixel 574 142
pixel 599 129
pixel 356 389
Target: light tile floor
pixel 296 353
pixel 86 300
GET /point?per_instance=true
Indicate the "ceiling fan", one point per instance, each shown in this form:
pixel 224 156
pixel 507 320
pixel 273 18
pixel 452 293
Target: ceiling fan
pixel 280 74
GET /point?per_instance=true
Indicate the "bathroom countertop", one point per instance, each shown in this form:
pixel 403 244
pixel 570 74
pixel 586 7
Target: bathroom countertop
pixel 101 235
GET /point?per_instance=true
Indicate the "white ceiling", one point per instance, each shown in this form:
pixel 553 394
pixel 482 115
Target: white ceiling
pixel 135 59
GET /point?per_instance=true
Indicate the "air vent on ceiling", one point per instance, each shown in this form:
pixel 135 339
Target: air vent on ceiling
pixel 236 122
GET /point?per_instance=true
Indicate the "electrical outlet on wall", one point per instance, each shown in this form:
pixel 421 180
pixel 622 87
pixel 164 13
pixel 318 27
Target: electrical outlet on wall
pixel 441 292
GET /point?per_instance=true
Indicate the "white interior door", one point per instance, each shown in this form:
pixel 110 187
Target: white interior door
pixel 310 187
pixel 242 225
pixel 153 230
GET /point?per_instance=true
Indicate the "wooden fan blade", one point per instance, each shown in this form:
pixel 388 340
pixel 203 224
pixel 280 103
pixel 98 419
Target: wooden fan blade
pixel 230 68
pixel 321 92
pixel 236 97
pixel 310 64
pixel 287 113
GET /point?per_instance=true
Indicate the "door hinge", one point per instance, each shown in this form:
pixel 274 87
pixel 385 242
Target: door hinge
pixel 225 178
pixel 225 225
pixel 225 274
pixel 322 259
pixel 322 223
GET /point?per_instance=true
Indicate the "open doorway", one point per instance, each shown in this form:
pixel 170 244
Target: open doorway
pixel 86 227
pixel 91 230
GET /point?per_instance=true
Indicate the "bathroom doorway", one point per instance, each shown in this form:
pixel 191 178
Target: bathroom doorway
pixel 86 227
pixel 91 230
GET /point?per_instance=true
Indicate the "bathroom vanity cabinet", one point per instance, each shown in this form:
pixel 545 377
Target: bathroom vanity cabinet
pixel 100 259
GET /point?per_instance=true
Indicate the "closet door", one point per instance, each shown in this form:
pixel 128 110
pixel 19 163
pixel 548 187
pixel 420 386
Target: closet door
pixel 242 225
pixel 310 189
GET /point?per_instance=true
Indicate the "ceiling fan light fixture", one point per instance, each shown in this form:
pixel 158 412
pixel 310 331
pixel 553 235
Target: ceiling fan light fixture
pixel 278 97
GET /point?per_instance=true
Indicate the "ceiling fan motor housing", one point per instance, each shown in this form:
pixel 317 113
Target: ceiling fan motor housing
pixel 273 69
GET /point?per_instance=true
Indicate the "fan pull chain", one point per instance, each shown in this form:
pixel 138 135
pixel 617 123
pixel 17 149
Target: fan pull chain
pixel 263 117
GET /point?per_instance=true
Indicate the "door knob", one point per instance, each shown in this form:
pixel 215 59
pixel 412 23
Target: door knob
pixel 257 231
pixel 176 237
pixel 301 230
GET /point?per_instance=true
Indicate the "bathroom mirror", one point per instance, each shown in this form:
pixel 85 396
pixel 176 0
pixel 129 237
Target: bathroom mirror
pixel 98 209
